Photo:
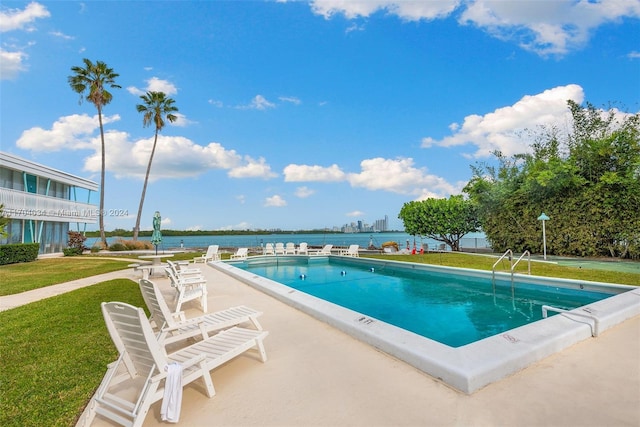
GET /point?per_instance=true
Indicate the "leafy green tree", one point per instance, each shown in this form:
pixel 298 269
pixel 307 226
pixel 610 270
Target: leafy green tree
pixel 157 106
pixel 444 220
pixel 92 83
pixel 588 183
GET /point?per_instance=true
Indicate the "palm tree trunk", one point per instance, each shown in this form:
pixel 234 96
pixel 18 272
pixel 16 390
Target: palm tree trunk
pixel 144 188
pixel 103 238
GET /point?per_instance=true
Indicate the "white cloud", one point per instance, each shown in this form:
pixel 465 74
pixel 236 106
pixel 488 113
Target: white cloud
pixel 11 64
pixel 16 19
pixel 355 214
pixel 544 27
pixel 633 55
pixel 215 103
pixel 155 84
pixel 181 121
pixel 302 173
pixel 12 59
pixel 175 156
pixel 501 129
pixel 253 169
pixel 400 176
pixel 407 10
pixel 275 201
pixel 393 175
pixel 259 102
pixel 73 132
pixel 303 192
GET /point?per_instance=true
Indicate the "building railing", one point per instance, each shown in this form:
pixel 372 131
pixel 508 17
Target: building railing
pixel 22 205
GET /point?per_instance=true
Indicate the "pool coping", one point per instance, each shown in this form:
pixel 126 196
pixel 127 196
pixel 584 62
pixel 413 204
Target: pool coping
pixel 471 367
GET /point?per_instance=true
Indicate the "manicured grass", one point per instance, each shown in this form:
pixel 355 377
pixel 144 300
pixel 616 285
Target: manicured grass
pixel 21 277
pixel 54 354
pixel 479 262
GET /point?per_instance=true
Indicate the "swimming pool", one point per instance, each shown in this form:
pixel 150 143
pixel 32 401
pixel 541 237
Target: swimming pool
pixel 453 309
pixel 467 367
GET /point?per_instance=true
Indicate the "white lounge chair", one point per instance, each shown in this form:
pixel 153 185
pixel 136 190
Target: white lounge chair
pixel 268 249
pixel 241 253
pixel 137 378
pixel 188 288
pixel 303 249
pixel 290 248
pixel 211 255
pixel 352 251
pixel 173 327
pixel 183 270
pixel 326 250
pixel 279 248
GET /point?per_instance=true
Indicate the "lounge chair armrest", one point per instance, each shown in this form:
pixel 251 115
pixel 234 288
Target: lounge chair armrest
pixel 193 361
pixel 179 315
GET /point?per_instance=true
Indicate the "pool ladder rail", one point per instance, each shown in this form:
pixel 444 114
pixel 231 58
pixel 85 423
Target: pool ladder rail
pixel 512 267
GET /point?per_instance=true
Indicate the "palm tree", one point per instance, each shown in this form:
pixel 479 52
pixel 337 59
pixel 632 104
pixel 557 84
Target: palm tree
pixel 155 108
pixel 96 79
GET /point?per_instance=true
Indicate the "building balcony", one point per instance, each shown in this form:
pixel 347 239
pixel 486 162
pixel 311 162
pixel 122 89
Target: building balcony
pixel 22 205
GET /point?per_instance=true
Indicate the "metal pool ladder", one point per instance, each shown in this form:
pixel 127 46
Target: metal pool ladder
pixel 512 266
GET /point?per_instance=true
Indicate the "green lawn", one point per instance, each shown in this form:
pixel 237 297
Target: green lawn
pixel 479 262
pixel 54 354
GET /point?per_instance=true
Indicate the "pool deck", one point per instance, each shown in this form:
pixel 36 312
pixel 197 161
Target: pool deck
pixel 319 376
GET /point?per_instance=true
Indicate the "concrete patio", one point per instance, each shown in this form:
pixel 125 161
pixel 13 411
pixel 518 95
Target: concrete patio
pixel 318 376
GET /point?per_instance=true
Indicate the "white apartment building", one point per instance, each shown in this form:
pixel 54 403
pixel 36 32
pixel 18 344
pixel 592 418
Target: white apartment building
pixel 43 204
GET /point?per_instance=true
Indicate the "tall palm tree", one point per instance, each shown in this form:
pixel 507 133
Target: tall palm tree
pixel 155 109
pixel 95 79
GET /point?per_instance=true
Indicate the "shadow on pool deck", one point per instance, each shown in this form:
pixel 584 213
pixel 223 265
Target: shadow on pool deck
pixel 319 376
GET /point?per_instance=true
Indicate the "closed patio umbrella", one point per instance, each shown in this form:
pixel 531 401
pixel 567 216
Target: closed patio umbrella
pixel 156 236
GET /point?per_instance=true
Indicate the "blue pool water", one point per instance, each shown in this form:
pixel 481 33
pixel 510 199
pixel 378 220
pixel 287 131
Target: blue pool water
pixel 449 308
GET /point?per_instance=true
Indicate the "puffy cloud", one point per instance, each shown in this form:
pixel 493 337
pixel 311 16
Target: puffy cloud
pixel 175 156
pixel 394 175
pixel 400 176
pixel 253 169
pixel 547 28
pixel 15 19
pixel 355 214
pixel 306 173
pixel 155 84
pixel 69 133
pixel 275 201
pixel 501 129
pixel 11 64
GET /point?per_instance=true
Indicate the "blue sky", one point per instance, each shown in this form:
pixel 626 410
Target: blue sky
pixel 299 115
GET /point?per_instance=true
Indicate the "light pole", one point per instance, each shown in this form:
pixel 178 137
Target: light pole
pixel 543 217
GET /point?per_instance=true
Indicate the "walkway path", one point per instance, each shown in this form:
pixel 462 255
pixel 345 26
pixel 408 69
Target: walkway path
pixel 8 302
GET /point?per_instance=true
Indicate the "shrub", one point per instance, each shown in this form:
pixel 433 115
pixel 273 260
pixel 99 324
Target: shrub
pixel 117 246
pixel 75 244
pixel 18 252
